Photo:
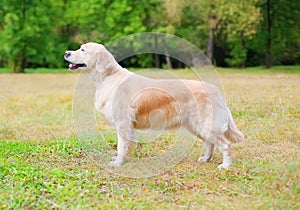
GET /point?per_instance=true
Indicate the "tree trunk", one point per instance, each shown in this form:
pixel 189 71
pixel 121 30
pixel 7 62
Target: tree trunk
pixel 156 56
pixel 210 45
pixel 18 64
pixel 243 44
pixel 167 55
pixel 268 58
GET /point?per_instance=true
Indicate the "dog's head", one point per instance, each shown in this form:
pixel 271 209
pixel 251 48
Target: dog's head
pixel 90 56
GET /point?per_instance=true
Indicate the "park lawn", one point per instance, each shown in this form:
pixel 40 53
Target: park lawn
pixel 43 166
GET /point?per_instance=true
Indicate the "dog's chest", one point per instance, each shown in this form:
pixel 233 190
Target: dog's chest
pixel 103 106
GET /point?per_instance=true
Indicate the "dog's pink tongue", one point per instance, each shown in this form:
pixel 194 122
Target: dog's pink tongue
pixel 71 65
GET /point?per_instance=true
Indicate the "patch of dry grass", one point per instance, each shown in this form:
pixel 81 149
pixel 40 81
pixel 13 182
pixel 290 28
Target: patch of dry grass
pixel 43 166
pixel 36 107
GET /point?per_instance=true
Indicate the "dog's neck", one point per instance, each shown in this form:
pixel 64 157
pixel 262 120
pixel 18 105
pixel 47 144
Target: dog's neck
pixel 99 76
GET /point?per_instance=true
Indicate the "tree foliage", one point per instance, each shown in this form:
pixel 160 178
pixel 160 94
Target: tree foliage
pixel 35 33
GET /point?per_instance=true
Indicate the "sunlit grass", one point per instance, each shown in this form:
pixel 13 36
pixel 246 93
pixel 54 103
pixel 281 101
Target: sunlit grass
pixel 42 164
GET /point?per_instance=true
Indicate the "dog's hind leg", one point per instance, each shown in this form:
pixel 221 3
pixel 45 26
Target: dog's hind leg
pixel 125 146
pixel 201 133
pixel 209 148
pixel 223 145
pixel 225 148
pixel 211 140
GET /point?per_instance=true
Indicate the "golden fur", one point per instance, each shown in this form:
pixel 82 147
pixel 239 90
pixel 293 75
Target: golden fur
pixel 149 100
pixel 131 102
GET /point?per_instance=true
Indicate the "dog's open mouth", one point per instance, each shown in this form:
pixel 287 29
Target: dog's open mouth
pixel 74 66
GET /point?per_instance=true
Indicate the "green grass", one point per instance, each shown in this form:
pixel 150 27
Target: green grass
pixel 262 70
pixel 275 69
pixel 38 70
pixel 43 166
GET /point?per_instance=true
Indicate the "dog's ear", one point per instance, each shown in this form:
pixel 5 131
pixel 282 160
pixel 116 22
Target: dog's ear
pixel 100 62
pixel 105 61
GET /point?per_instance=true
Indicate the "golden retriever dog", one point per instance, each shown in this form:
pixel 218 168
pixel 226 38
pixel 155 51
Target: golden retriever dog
pixel 132 103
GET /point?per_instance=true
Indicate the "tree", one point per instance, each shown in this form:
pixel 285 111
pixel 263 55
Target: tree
pixel 35 33
pixel 210 11
pixel 278 36
pixel 241 22
pixel 269 39
pixel 237 20
pixel 24 28
pixel 173 17
pixel 166 19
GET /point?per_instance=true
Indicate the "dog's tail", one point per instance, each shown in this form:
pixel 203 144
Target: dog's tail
pixel 232 133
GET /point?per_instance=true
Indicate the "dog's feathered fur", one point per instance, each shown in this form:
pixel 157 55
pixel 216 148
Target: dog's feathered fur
pixel 131 102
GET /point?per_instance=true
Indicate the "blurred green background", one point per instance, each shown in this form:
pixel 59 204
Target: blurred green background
pixel 235 33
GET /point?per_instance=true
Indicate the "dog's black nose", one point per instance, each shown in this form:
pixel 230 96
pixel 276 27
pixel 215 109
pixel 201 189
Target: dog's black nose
pixel 67 54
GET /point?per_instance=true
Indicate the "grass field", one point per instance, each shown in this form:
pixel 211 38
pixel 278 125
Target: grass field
pixel 43 167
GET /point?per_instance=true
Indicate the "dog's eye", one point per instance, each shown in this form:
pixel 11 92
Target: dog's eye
pixel 82 50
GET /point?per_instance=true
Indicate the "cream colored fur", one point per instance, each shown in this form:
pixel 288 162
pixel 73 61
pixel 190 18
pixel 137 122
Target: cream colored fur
pixel 131 102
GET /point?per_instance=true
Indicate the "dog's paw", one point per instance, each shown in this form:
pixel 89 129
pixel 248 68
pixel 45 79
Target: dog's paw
pixel 117 161
pixel 224 166
pixel 204 159
pixel 113 158
pixel 114 164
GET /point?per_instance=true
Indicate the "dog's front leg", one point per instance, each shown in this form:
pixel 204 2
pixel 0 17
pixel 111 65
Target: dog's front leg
pixel 125 146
